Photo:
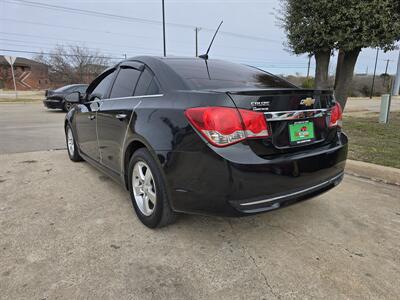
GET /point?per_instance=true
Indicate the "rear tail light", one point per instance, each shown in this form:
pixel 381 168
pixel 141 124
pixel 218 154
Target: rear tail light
pixel 336 116
pixel 223 126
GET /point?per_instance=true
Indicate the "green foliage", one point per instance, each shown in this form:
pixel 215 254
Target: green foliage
pixel 308 25
pixel 321 25
pixel 308 83
pixel 367 23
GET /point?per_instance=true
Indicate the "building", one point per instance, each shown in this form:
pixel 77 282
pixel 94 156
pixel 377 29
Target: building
pixel 29 74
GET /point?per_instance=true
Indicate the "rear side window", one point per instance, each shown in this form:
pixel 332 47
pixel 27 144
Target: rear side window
pixel 125 83
pixel 215 74
pixel 143 83
pixel 153 88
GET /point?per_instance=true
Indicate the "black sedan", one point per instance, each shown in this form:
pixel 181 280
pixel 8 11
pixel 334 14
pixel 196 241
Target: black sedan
pixel 55 98
pixel 206 137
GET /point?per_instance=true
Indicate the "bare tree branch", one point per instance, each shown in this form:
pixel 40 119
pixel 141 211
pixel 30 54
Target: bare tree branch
pixel 73 64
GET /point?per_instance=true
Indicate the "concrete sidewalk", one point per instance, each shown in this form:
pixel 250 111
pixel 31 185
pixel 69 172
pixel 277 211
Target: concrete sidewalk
pixel 69 232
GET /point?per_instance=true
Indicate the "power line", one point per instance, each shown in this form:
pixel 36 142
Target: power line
pixel 52 54
pixel 128 19
pixel 78 28
pixel 118 33
pixel 25 43
pixel 41 48
pixel 88 12
pixel 78 41
pixel 148 50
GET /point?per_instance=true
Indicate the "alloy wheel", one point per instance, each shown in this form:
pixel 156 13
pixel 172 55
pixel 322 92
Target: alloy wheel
pixel 144 189
pixel 70 142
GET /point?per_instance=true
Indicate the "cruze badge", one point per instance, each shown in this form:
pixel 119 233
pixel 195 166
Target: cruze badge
pixel 260 105
pixel 307 101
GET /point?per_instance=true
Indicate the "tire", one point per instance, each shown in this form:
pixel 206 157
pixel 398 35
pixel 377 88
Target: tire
pixel 153 215
pixel 71 145
pixel 67 106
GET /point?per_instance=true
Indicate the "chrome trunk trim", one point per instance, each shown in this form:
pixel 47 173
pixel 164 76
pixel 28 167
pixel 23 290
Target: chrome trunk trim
pixel 296 114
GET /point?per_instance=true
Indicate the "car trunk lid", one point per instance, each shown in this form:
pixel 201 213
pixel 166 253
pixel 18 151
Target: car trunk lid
pixel 297 118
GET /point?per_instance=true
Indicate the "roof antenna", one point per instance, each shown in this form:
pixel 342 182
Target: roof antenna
pixel 205 56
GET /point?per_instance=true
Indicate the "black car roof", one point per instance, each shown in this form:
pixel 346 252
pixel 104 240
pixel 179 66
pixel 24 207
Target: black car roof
pixel 168 78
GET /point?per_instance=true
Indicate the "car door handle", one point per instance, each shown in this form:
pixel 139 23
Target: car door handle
pixel 121 116
pixel 92 117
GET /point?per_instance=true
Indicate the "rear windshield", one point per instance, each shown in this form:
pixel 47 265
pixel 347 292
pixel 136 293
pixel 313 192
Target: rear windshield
pixel 218 74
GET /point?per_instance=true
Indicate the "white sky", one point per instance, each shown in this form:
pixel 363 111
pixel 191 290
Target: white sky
pixel 28 28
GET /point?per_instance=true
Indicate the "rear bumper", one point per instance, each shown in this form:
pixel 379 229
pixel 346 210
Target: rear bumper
pixel 235 181
pixel 251 206
pixel 53 104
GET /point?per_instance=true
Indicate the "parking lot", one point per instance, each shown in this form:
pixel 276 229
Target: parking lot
pixel 29 127
pixel 67 231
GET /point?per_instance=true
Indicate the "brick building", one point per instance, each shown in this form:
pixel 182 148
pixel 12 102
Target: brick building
pixel 29 74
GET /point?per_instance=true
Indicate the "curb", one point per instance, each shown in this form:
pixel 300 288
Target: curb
pixel 373 172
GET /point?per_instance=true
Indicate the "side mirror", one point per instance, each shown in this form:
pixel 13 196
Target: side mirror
pixel 74 97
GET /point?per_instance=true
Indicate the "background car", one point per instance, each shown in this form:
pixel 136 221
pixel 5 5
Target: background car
pixel 206 137
pixel 55 98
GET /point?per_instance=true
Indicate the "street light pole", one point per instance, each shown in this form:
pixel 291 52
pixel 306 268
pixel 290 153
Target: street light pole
pixel 386 73
pixel 163 16
pixel 196 30
pixel 396 85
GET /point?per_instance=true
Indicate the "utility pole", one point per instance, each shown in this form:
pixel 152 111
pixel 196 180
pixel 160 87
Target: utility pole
pixel 373 78
pixel 196 30
pixel 386 72
pixel 163 25
pixel 387 65
pixel 309 63
pixel 396 85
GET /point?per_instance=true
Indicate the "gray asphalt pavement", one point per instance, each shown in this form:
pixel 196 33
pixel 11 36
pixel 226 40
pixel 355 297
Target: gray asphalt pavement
pixel 30 127
pixel 68 232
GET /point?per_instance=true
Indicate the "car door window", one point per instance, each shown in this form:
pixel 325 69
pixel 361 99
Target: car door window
pixel 125 83
pixel 144 82
pixel 101 90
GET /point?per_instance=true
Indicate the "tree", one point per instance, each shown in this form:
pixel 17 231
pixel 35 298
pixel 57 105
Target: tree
pixel 322 26
pixel 73 64
pixel 362 24
pixel 308 26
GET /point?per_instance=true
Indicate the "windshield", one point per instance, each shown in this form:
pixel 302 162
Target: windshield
pixel 64 88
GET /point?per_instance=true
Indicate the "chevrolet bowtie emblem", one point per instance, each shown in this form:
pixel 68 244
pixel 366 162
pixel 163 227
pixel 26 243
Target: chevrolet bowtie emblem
pixel 307 101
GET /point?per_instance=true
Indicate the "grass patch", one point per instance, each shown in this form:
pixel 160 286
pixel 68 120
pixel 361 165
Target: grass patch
pixel 372 142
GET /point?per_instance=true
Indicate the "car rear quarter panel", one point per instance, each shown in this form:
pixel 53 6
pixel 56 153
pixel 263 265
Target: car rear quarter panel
pixel 160 121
